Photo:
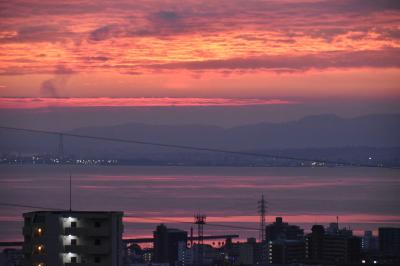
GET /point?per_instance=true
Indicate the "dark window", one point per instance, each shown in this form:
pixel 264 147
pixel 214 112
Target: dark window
pixel 27 220
pixel 97 242
pixel 39 219
pixel 97 224
pixel 97 259
pixel 73 224
pixel 73 259
pixel 73 242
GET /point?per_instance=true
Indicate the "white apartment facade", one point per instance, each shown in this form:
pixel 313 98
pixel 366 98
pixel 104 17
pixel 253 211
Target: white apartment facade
pixel 76 238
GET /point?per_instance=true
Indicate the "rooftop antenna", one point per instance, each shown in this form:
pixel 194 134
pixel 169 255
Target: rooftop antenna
pixel 337 222
pixel 70 192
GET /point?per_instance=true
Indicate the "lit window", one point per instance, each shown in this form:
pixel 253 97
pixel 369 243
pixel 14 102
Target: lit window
pixel 39 231
pixel 39 249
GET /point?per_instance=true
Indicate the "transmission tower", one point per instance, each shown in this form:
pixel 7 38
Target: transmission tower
pixel 200 220
pixel 262 211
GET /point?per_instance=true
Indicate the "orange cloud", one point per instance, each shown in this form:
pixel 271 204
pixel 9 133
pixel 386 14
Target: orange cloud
pixel 149 38
pixel 28 103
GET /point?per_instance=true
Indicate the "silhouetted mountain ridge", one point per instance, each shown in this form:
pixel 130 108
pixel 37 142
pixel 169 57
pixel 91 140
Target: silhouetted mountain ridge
pixel 319 131
pixel 327 133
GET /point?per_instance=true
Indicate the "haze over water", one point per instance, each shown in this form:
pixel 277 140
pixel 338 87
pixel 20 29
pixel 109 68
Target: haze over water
pixel 364 199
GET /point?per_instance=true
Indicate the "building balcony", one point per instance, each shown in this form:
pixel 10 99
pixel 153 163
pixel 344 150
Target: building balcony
pixel 84 249
pixel 85 263
pixel 38 257
pixel 75 231
pixel 84 231
pixel 102 249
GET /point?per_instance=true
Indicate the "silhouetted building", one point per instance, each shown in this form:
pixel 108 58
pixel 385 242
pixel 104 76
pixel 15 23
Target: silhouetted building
pixel 314 243
pixel 72 238
pixel 281 230
pixel 185 255
pixel 333 229
pixel 285 242
pixel 11 257
pixel 189 256
pixel 328 248
pixel 166 243
pixel 283 251
pixel 244 253
pixel 389 240
pixel 369 242
pixel 133 254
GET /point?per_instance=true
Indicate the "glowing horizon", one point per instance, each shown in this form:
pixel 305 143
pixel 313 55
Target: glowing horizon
pixel 32 103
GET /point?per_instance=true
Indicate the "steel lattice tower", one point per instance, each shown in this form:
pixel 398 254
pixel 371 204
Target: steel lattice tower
pixel 262 209
pixel 200 220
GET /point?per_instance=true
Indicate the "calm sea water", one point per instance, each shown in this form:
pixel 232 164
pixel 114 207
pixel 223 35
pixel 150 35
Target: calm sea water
pixel 362 198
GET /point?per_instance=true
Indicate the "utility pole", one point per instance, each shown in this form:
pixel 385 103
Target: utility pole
pixel 70 192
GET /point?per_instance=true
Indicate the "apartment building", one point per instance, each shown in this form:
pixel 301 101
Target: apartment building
pixel 71 238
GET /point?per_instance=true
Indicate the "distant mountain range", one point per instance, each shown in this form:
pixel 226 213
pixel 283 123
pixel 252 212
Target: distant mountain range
pixel 322 131
pixel 313 131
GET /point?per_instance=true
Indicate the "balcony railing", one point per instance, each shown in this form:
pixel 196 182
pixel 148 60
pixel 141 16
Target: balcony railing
pixel 87 249
pixel 84 231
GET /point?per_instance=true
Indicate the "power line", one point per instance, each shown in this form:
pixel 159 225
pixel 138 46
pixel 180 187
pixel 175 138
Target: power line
pixel 17 205
pixel 191 223
pixel 262 209
pixel 186 147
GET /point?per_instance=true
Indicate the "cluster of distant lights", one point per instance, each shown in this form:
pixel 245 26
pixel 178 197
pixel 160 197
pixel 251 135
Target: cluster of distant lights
pixel 364 261
pixel 85 162
pixel 77 161
pixel 57 160
pixel 318 164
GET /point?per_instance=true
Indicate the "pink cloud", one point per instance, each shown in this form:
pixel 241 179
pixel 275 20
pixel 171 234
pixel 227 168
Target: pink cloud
pixel 31 103
pixel 337 59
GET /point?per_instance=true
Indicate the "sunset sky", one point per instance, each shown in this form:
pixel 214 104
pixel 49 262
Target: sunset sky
pixel 263 52
pixel 108 66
